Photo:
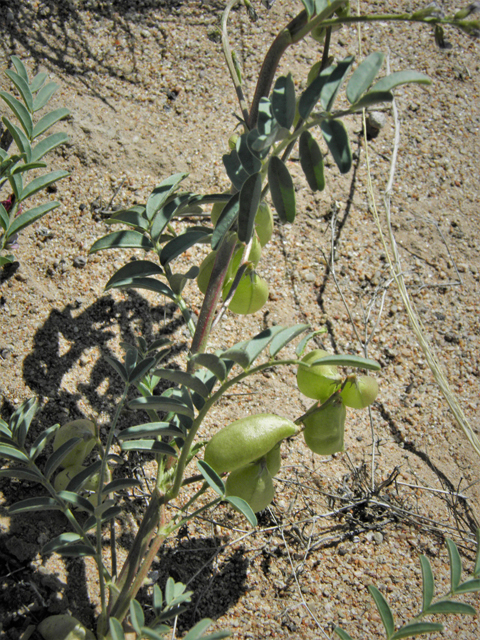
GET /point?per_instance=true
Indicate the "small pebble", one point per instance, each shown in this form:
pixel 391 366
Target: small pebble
pixel 79 262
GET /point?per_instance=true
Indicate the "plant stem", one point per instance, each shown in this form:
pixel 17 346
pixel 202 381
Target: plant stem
pixel 132 564
pixel 229 60
pixel 101 484
pixel 212 296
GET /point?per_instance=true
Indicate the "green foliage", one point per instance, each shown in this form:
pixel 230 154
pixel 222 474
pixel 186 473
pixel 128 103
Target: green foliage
pixel 34 95
pixel 442 606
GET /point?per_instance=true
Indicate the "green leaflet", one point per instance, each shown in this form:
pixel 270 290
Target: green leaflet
pixel 400 77
pixel 285 336
pixel 332 86
pixel 44 95
pixel 383 609
pixel 182 243
pixel 28 217
pixel 249 202
pixel 234 169
pixel 283 101
pixel 281 189
pixel 37 184
pixel 159 195
pixel 363 76
pixel 336 137
pixel 122 240
pixel 48 120
pixel 249 161
pixel 134 269
pixel 20 112
pixel 311 159
pixel 226 220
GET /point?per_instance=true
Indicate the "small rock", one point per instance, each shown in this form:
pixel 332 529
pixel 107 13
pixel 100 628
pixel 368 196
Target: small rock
pixel 45 233
pixel 309 276
pixel 79 262
pixel 378 537
pixel 451 337
pixel 376 120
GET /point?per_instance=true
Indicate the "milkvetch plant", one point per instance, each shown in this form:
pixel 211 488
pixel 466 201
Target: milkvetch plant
pixel 77 476
pixel 31 147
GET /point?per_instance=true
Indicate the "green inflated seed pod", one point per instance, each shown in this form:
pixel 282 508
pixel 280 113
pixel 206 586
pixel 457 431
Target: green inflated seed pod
pixel 247 440
pixel 324 430
pixel 274 460
pixel 64 627
pixel 250 295
pixel 359 391
pixel 84 429
pixel 205 271
pixel 254 484
pixel 264 223
pixel 320 380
